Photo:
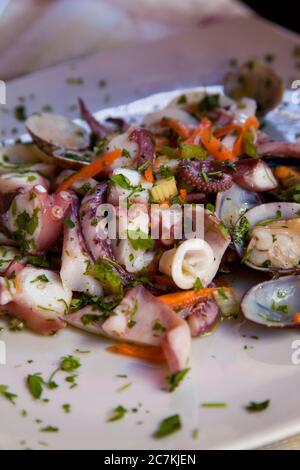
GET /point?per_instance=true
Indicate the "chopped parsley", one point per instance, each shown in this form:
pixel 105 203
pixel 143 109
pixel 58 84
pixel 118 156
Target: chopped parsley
pixel 254 406
pixel 209 102
pixel 69 223
pixel 20 112
pixel 168 426
pixel 222 293
pixel 122 181
pixel 198 284
pixel 214 405
pixel 50 429
pixel 38 261
pixel 157 326
pixel 175 379
pixel 182 99
pixel 118 413
pixel 4 392
pixel 165 172
pixel 210 208
pixel 139 239
pixel 89 318
pixel 125 387
pixel 241 230
pixel 70 363
pixel 95 301
pixel 40 278
pixel 35 384
pixel 105 272
pixel 66 407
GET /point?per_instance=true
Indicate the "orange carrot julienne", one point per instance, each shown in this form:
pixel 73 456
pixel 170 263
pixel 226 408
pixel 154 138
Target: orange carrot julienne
pixel 194 137
pixel 181 129
pixel 91 170
pixel 238 145
pixel 296 317
pixel 203 134
pixel 285 172
pixel 189 297
pixel 146 353
pixel 182 195
pixel 213 145
pixel 225 130
pixel 148 175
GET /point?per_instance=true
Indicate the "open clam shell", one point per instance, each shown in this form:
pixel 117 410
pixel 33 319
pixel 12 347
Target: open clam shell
pixel 261 216
pixel 233 203
pixel 273 303
pixel 60 138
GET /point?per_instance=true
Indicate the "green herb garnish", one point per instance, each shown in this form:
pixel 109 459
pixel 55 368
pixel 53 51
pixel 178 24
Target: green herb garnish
pixel 118 413
pixel 139 239
pixel 175 379
pixel 35 384
pixel 254 406
pixel 69 223
pixel 4 392
pixel 122 181
pixel 40 278
pixel 241 230
pixel 168 426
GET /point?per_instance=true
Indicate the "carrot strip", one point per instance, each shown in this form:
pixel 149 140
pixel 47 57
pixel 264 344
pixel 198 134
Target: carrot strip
pixel 146 353
pixel 181 129
pixel 284 173
pixel 203 133
pixel 239 143
pixel 225 130
pixel 195 136
pixel 213 145
pixel 189 297
pixel 149 175
pixel 296 318
pixel 183 195
pixel 91 170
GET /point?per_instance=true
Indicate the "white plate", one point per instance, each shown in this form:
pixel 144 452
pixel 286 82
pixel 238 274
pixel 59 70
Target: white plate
pixel 222 370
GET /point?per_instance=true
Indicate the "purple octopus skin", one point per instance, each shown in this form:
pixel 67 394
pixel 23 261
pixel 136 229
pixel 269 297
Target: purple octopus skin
pixel 144 139
pixel 98 129
pixel 192 173
pixel 203 317
pixel 279 149
pixel 98 247
pixel 74 217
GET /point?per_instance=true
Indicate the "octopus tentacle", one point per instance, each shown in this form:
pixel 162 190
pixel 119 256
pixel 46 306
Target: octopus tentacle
pixel 206 176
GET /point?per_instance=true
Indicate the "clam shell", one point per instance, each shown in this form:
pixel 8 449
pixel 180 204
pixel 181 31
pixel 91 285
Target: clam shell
pixel 273 303
pixel 58 136
pixel 288 210
pixel 233 203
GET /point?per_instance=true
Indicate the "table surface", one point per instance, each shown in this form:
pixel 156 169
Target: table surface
pixel 114 77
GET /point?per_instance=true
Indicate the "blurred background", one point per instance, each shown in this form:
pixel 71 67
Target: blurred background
pixel 37 33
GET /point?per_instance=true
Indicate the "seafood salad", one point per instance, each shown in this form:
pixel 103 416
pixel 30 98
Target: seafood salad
pixel 124 230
